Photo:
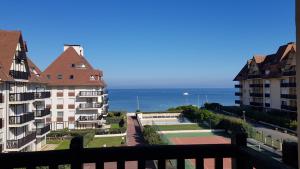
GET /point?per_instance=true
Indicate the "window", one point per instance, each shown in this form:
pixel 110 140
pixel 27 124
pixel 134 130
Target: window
pixel 71 76
pixel 49 77
pixel 59 76
pixel 73 65
pixel 92 77
pixel 60 114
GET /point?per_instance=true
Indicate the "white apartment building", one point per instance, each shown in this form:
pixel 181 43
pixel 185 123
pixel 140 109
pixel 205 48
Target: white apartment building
pixel 269 82
pixel 78 96
pixel 22 97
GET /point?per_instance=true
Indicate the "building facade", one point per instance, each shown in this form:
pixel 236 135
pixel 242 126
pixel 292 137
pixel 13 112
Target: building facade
pixel 23 113
pixel 78 96
pixel 269 82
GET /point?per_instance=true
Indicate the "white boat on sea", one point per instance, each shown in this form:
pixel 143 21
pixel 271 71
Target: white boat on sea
pixel 185 93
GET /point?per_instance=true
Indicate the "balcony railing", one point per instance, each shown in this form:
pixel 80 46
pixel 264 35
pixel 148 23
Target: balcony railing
pixel 90 105
pixel 238 94
pixel 237 102
pixel 21 118
pixel 19 75
pixel 42 95
pixel 267 85
pixel 289 108
pixel 238 86
pixel 289 73
pixel 90 93
pixel 258 104
pixel 267 104
pixel 87 118
pixel 267 94
pixel 42 113
pixel 253 76
pixel 287 84
pixel 288 96
pixel 42 131
pixel 1 98
pixel 13 97
pixel 14 144
pixel 242 156
pixel 256 94
pixel 256 85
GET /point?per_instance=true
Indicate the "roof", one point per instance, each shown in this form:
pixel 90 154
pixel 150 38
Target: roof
pixel 273 63
pixel 67 65
pixel 35 73
pixel 8 45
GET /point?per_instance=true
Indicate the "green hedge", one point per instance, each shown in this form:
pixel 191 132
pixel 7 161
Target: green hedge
pixel 151 136
pixel 276 117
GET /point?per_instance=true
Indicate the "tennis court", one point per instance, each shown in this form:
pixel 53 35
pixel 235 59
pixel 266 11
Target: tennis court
pixel 198 138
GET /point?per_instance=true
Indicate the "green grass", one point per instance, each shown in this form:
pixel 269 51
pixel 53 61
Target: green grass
pixel 109 141
pixel 64 144
pixel 179 127
pixel 53 141
pixel 114 126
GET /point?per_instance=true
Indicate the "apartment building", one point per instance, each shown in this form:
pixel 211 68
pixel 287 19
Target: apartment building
pixel 269 81
pixel 78 96
pixel 22 97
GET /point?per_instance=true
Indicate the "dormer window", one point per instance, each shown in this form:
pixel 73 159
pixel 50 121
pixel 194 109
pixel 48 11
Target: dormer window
pixel 48 77
pixel 59 76
pixel 73 65
pixel 92 77
pixel 71 77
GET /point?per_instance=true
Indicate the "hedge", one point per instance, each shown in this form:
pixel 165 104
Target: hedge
pixel 151 136
pixel 276 117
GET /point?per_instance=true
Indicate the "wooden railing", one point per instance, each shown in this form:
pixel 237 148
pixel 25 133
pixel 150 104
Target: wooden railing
pixel 242 156
pixel 19 75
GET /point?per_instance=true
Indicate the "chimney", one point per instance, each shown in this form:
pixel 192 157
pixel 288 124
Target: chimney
pixel 78 48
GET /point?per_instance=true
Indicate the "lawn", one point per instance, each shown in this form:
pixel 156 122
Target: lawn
pixel 64 144
pixel 114 126
pixel 179 127
pixel 109 141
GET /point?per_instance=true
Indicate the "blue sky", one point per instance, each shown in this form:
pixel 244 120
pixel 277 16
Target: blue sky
pixel 155 43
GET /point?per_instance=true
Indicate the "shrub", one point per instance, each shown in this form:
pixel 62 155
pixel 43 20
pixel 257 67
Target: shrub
pixel 88 137
pixel 121 123
pixel 212 106
pixel 151 136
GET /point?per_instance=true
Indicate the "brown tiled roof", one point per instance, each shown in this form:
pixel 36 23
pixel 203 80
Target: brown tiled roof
pixel 272 62
pixel 8 45
pixel 63 66
pixel 35 77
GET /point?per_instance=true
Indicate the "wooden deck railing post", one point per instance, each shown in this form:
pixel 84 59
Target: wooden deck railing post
pixel 240 140
pixel 76 146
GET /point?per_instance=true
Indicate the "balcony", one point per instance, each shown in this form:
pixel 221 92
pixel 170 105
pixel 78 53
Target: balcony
pixel 90 105
pixel 256 94
pixel 1 98
pixel 289 73
pixel 238 94
pixel 42 95
pixel 238 86
pixel 257 104
pixel 242 156
pixel 90 93
pixel 288 96
pixel 287 84
pixel 254 76
pixel 88 119
pixel 42 113
pixel 19 75
pixel 15 144
pixel 267 94
pixel 237 102
pixel 267 85
pixel 289 108
pixel 256 85
pixel 21 119
pixel 267 104
pixel 15 97
pixel 42 131
pixel 1 123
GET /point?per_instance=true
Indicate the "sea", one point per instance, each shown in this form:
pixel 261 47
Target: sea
pixel 151 100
